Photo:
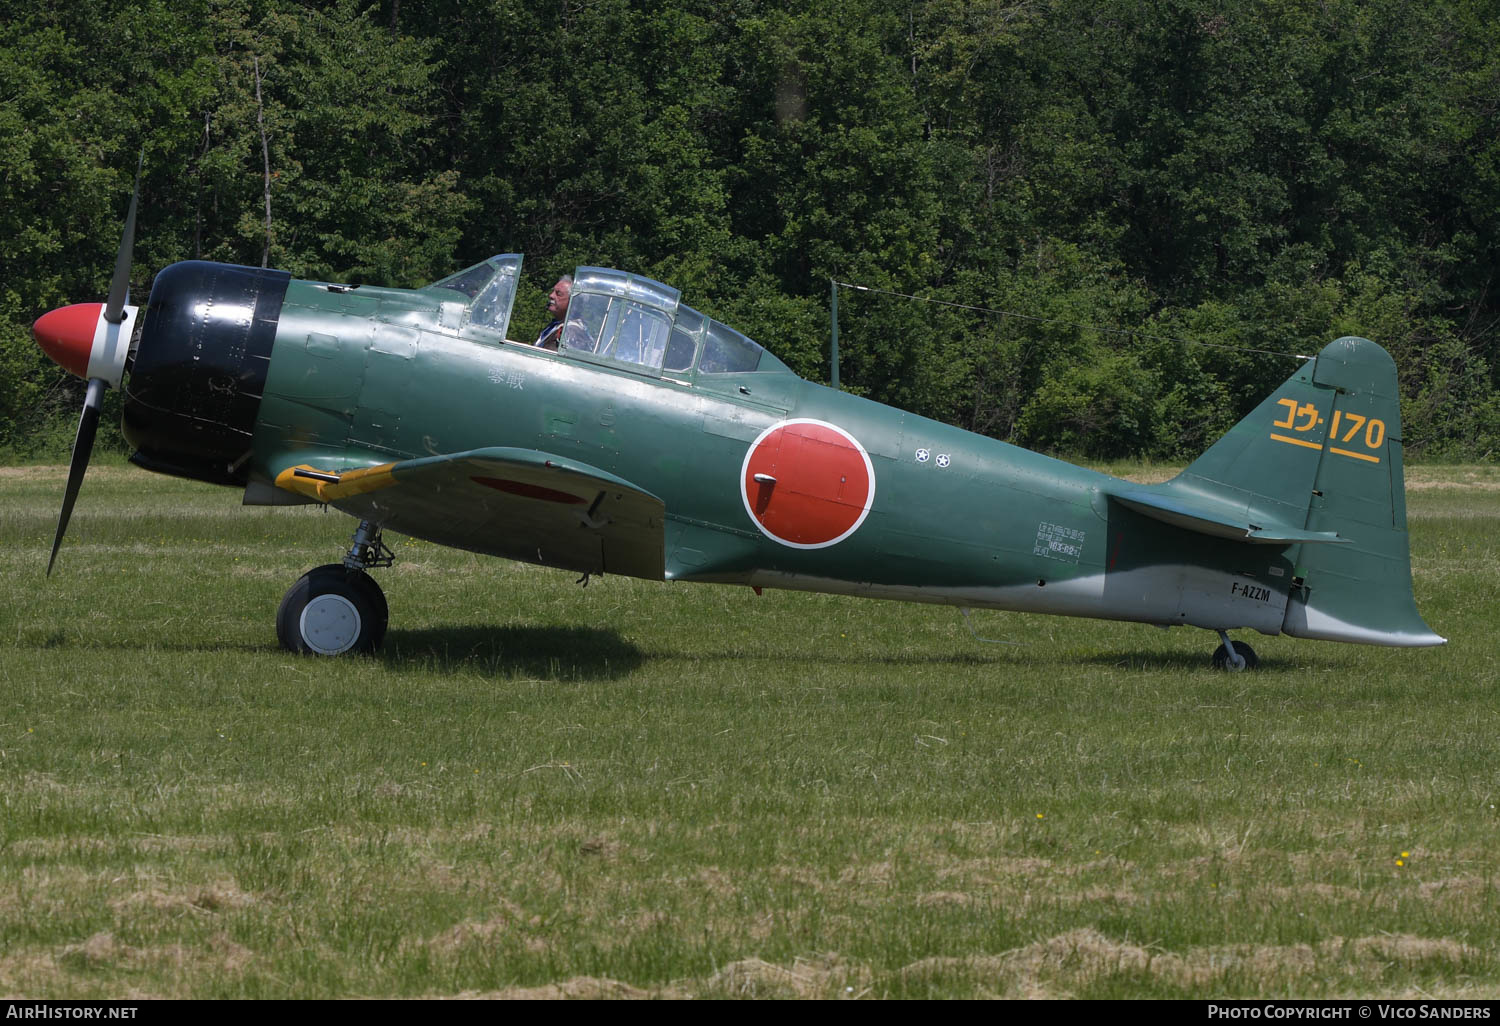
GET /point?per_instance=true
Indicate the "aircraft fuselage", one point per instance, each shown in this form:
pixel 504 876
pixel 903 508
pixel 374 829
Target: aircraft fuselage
pixel 368 376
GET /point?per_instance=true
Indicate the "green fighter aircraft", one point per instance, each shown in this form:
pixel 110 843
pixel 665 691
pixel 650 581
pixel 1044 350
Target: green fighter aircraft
pixel 659 443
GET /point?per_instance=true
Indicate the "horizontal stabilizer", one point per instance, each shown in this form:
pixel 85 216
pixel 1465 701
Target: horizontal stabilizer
pixel 1218 520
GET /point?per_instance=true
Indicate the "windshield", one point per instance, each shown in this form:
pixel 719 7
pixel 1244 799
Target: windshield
pixel 468 281
pixel 490 288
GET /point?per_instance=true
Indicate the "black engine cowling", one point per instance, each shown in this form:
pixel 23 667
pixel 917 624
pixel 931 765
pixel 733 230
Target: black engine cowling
pixel 195 385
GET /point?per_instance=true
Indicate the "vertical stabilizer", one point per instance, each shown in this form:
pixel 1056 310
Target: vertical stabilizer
pixel 1361 591
pixel 1324 453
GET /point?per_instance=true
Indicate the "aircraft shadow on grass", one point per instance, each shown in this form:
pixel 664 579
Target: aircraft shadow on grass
pixel 1145 661
pixel 825 658
pixel 553 653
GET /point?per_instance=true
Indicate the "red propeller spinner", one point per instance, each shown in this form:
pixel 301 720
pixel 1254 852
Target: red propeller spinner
pixel 66 335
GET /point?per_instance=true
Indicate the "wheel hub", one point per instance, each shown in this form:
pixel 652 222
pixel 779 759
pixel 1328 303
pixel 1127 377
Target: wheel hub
pixel 330 624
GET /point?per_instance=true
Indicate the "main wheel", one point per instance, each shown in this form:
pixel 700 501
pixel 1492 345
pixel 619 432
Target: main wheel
pixel 332 610
pixel 377 600
pixel 1246 653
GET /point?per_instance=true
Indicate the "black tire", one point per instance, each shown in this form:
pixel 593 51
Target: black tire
pixel 377 602
pixel 1221 657
pixel 332 610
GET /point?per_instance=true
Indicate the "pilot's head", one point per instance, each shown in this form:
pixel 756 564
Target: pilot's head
pixel 557 299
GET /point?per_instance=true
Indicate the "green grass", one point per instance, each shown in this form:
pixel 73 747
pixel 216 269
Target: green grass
pixel 677 790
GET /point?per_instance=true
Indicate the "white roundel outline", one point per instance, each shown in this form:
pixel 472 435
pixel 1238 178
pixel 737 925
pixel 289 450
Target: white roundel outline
pixel 745 495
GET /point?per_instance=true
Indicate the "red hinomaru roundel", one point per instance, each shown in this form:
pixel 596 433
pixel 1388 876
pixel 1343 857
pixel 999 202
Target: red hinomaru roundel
pixel 807 483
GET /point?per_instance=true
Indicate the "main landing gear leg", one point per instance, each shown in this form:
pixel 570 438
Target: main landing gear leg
pixel 1234 656
pixel 338 608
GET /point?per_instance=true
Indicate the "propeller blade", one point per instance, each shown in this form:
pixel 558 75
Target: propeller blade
pixel 83 445
pixel 119 285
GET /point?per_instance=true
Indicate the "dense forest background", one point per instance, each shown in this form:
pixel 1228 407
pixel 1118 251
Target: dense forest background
pixel 1162 197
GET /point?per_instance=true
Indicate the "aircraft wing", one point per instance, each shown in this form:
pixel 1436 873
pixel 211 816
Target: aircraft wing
pixel 516 503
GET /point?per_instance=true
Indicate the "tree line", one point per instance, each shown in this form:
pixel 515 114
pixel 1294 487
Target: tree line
pixel 1142 211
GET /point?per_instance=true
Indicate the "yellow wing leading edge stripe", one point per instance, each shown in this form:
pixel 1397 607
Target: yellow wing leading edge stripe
pixel 323 486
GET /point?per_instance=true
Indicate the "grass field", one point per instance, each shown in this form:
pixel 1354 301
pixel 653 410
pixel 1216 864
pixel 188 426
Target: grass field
pixel 642 789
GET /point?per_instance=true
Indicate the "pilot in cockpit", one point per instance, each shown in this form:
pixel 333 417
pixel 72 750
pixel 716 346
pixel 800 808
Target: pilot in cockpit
pixel 557 307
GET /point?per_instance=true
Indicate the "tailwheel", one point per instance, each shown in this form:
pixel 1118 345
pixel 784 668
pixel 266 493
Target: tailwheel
pixel 332 610
pixel 1234 656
